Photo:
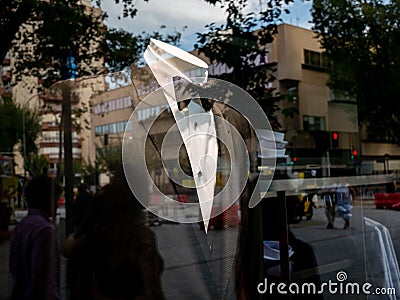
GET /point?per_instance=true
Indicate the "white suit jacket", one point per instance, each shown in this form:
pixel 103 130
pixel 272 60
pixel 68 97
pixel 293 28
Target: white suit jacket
pixel 225 263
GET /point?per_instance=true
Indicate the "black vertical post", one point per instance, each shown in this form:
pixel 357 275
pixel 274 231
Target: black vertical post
pixel 283 236
pixel 68 168
pixel 60 143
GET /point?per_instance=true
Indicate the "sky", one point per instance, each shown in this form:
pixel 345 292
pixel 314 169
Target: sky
pixel 195 14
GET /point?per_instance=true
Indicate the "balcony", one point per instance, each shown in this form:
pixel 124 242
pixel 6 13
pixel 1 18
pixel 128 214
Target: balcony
pixel 6 77
pixel 52 126
pixel 6 62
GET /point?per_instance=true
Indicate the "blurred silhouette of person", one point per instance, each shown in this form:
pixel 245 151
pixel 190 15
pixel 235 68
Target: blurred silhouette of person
pixel 82 205
pixel 119 252
pixel 76 265
pixel 303 265
pixel 34 253
pixel 391 183
pixel 344 199
pixel 329 198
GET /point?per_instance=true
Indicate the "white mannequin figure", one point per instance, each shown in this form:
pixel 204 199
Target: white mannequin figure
pixel 196 126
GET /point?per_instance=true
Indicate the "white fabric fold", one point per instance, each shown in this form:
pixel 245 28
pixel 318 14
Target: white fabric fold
pixel 196 126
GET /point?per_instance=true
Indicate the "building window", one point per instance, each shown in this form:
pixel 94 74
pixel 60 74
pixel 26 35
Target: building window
pixel 116 104
pixel 112 128
pixel 111 106
pixel 313 123
pixel 316 59
pixel 127 102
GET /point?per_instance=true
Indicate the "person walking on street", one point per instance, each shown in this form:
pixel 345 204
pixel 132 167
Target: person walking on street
pixel 34 255
pixel 344 200
pixel 330 207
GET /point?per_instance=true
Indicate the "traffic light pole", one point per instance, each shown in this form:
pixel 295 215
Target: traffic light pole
pixel 327 164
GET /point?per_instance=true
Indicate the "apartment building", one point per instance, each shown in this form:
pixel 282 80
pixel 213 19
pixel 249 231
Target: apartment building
pixel 111 111
pixel 326 131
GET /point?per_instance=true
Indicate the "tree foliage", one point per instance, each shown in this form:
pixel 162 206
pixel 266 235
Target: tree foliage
pixel 52 43
pixel 37 164
pixel 240 44
pixel 121 48
pixel 56 32
pixel 362 38
pixel 11 117
pixel 90 172
pixel 17 13
pixel 110 158
pixel 124 50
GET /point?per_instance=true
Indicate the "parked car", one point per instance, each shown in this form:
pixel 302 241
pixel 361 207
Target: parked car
pixel 387 200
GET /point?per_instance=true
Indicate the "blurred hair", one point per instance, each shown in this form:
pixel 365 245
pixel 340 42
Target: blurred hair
pixel 40 191
pixel 117 204
pixel 83 187
pixel 125 258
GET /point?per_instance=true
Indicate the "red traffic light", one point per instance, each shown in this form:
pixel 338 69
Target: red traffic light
pixel 335 139
pixel 295 159
pixel 354 152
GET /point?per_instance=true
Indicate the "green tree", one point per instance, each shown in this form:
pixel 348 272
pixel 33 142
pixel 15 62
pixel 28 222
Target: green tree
pixel 125 50
pixel 241 44
pixel 52 44
pixel 362 38
pixel 110 157
pixel 17 13
pixel 36 164
pixel 91 172
pixel 11 133
pixel 52 33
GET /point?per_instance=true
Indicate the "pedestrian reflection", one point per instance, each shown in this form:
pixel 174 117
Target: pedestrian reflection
pixel 303 266
pixel 338 197
pixel 35 257
pixel 119 255
pixel 344 203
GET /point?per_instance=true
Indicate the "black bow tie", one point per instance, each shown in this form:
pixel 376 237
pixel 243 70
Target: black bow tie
pixel 182 85
pixel 205 103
